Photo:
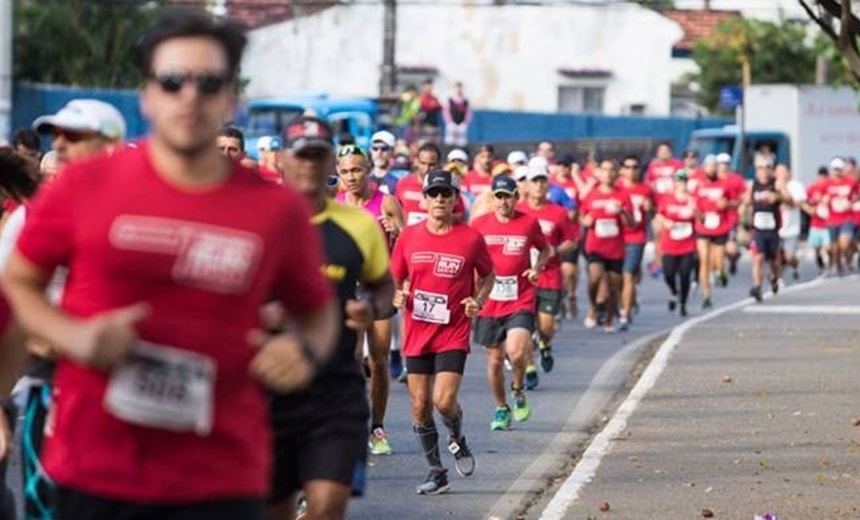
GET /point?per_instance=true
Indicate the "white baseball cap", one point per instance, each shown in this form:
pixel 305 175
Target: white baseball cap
pixel 517 157
pixel 458 154
pixel 761 160
pixel 85 115
pixel 538 170
pixel 539 162
pixel 837 163
pixel 521 173
pixel 267 143
pixel 724 158
pixel 710 159
pixel 385 137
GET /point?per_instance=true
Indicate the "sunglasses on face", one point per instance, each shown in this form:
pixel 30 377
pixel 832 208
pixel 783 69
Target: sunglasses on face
pixel 380 148
pixel 502 196
pixel 437 192
pixel 350 149
pixel 72 136
pixel 206 84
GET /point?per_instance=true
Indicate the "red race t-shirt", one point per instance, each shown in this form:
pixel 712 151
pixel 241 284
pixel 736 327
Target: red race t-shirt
pixel 821 213
pixel 712 221
pixel 680 238
pixel 738 186
pixel 556 226
pixel 204 262
pixel 270 175
pixel 605 237
pixel 510 244
pixel 410 195
pixel 477 183
pixel 660 176
pixel 840 192
pixel 694 178
pixel 441 271
pixel 639 194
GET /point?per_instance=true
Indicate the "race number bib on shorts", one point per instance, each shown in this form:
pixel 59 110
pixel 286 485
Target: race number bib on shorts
pixel 415 217
pixel 681 231
pixel 764 221
pixel 840 204
pixel 505 289
pixel 712 220
pixel 164 387
pixel 431 307
pixel 606 228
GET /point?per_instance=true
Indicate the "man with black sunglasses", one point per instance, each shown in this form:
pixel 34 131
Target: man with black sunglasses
pixel 82 128
pixel 381 152
pixel 160 407
pixel 437 266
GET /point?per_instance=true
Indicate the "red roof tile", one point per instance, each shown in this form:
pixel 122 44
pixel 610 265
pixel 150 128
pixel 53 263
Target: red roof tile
pixel 697 24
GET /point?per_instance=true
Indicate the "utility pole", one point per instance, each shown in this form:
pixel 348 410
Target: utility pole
pixel 5 68
pixel 388 78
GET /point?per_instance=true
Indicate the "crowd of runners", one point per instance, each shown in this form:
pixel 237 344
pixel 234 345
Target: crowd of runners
pixel 189 333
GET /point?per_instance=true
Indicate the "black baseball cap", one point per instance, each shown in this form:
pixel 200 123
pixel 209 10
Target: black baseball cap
pixel 441 179
pixel 306 132
pixel 566 160
pixel 504 184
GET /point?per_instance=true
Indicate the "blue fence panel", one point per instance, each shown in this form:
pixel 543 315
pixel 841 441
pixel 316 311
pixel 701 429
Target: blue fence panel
pixel 31 100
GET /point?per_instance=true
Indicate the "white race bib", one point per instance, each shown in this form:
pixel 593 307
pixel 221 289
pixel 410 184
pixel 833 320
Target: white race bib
pixel 638 202
pixel 431 307
pixel 681 230
pixel 505 289
pixel 840 204
pixel 664 185
pixel 606 228
pixel 164 387
pixel 712 220
pixel 822 211
pixel 534 254
pixel 415 217
pixel 764 221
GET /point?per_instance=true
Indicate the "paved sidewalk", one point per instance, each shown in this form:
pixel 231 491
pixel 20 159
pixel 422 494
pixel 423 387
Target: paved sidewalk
pixel 755 412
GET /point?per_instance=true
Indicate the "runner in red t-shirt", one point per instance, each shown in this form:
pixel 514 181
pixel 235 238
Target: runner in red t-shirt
pixel 568 177
pixel 561 237
pixel 660 177
pixel 410 189
pixel 267 162
pixel 678 212
pixel 635 236
pixel 716 200
pixel 606 211
pixel 158 356
pixel 478 180
pixel 819 212
pixel 435 265
pixel 739 187
pixel 508 317
pixel 840 193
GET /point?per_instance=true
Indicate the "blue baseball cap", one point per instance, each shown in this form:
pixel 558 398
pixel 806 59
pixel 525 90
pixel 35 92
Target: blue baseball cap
pixel 504 184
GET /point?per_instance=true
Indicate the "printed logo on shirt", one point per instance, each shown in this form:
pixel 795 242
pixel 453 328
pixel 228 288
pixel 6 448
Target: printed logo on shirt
pixel 511 245
pixel 444 266
pixel 218 259
pixel 546 226
pixel 711 193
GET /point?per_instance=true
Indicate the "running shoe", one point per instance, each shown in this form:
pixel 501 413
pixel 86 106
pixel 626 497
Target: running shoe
pixel 609 328
pixel 589 322
pixel 547 361
pixel 723 279
pixel 522 407
pixel 673 304
pixel 795 275
pixel 464 461
pixel 733 265
pixel 502 419
pixel 532 379
pixel 755 292
pixel 395 366
pixel 707 304
pixel 684 310
pixel 436 483
pixel 655 269
pixel 378 442
pixel 623 324
pixel 402 377
pixel 774 285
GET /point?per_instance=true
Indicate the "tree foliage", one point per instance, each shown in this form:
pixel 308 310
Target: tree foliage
pixel 838 22
pixel 778 52
pixel 79 42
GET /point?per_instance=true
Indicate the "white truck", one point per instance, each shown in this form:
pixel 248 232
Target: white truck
pixel 803 126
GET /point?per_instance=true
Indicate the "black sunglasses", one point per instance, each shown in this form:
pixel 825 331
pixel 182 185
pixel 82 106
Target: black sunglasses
pixel 382 148
pixel 435 192
pixel 350 149
pixel 73 136
pixel 207 84
pixel 502 195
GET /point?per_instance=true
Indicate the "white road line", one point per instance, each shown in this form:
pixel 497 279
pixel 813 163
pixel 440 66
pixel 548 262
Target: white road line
pixel 602 443
pixel 804 309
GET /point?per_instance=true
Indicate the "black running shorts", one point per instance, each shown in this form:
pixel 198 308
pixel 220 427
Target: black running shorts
pixel 429 364
pixel 491 332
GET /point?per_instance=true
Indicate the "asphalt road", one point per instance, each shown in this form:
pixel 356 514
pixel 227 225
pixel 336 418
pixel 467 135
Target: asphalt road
pixel 516 466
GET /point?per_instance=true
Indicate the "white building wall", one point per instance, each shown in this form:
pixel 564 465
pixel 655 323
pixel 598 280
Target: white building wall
pixel 508 57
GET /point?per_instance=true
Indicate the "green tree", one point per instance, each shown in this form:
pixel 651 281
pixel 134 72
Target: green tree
pixel 79 42
pixel 657 5
pixel 778 52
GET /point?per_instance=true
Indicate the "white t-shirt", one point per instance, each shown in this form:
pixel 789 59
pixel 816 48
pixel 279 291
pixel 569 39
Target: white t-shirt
pixel 791 216
pixel 9 237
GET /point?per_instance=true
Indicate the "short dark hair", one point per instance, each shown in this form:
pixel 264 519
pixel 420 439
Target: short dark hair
pixel 487 147
pixel 665 143
pixel 28 138
pixel 431 147
pixel 184 22
pixel 20 178
pixel 822 171
pixel 235 133
pixel 631 157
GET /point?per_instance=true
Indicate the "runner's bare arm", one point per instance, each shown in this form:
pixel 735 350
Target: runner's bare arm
pixel 382 292
pixel 393 214
pixel 100 341
pixel 476 303
pixel 400 294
